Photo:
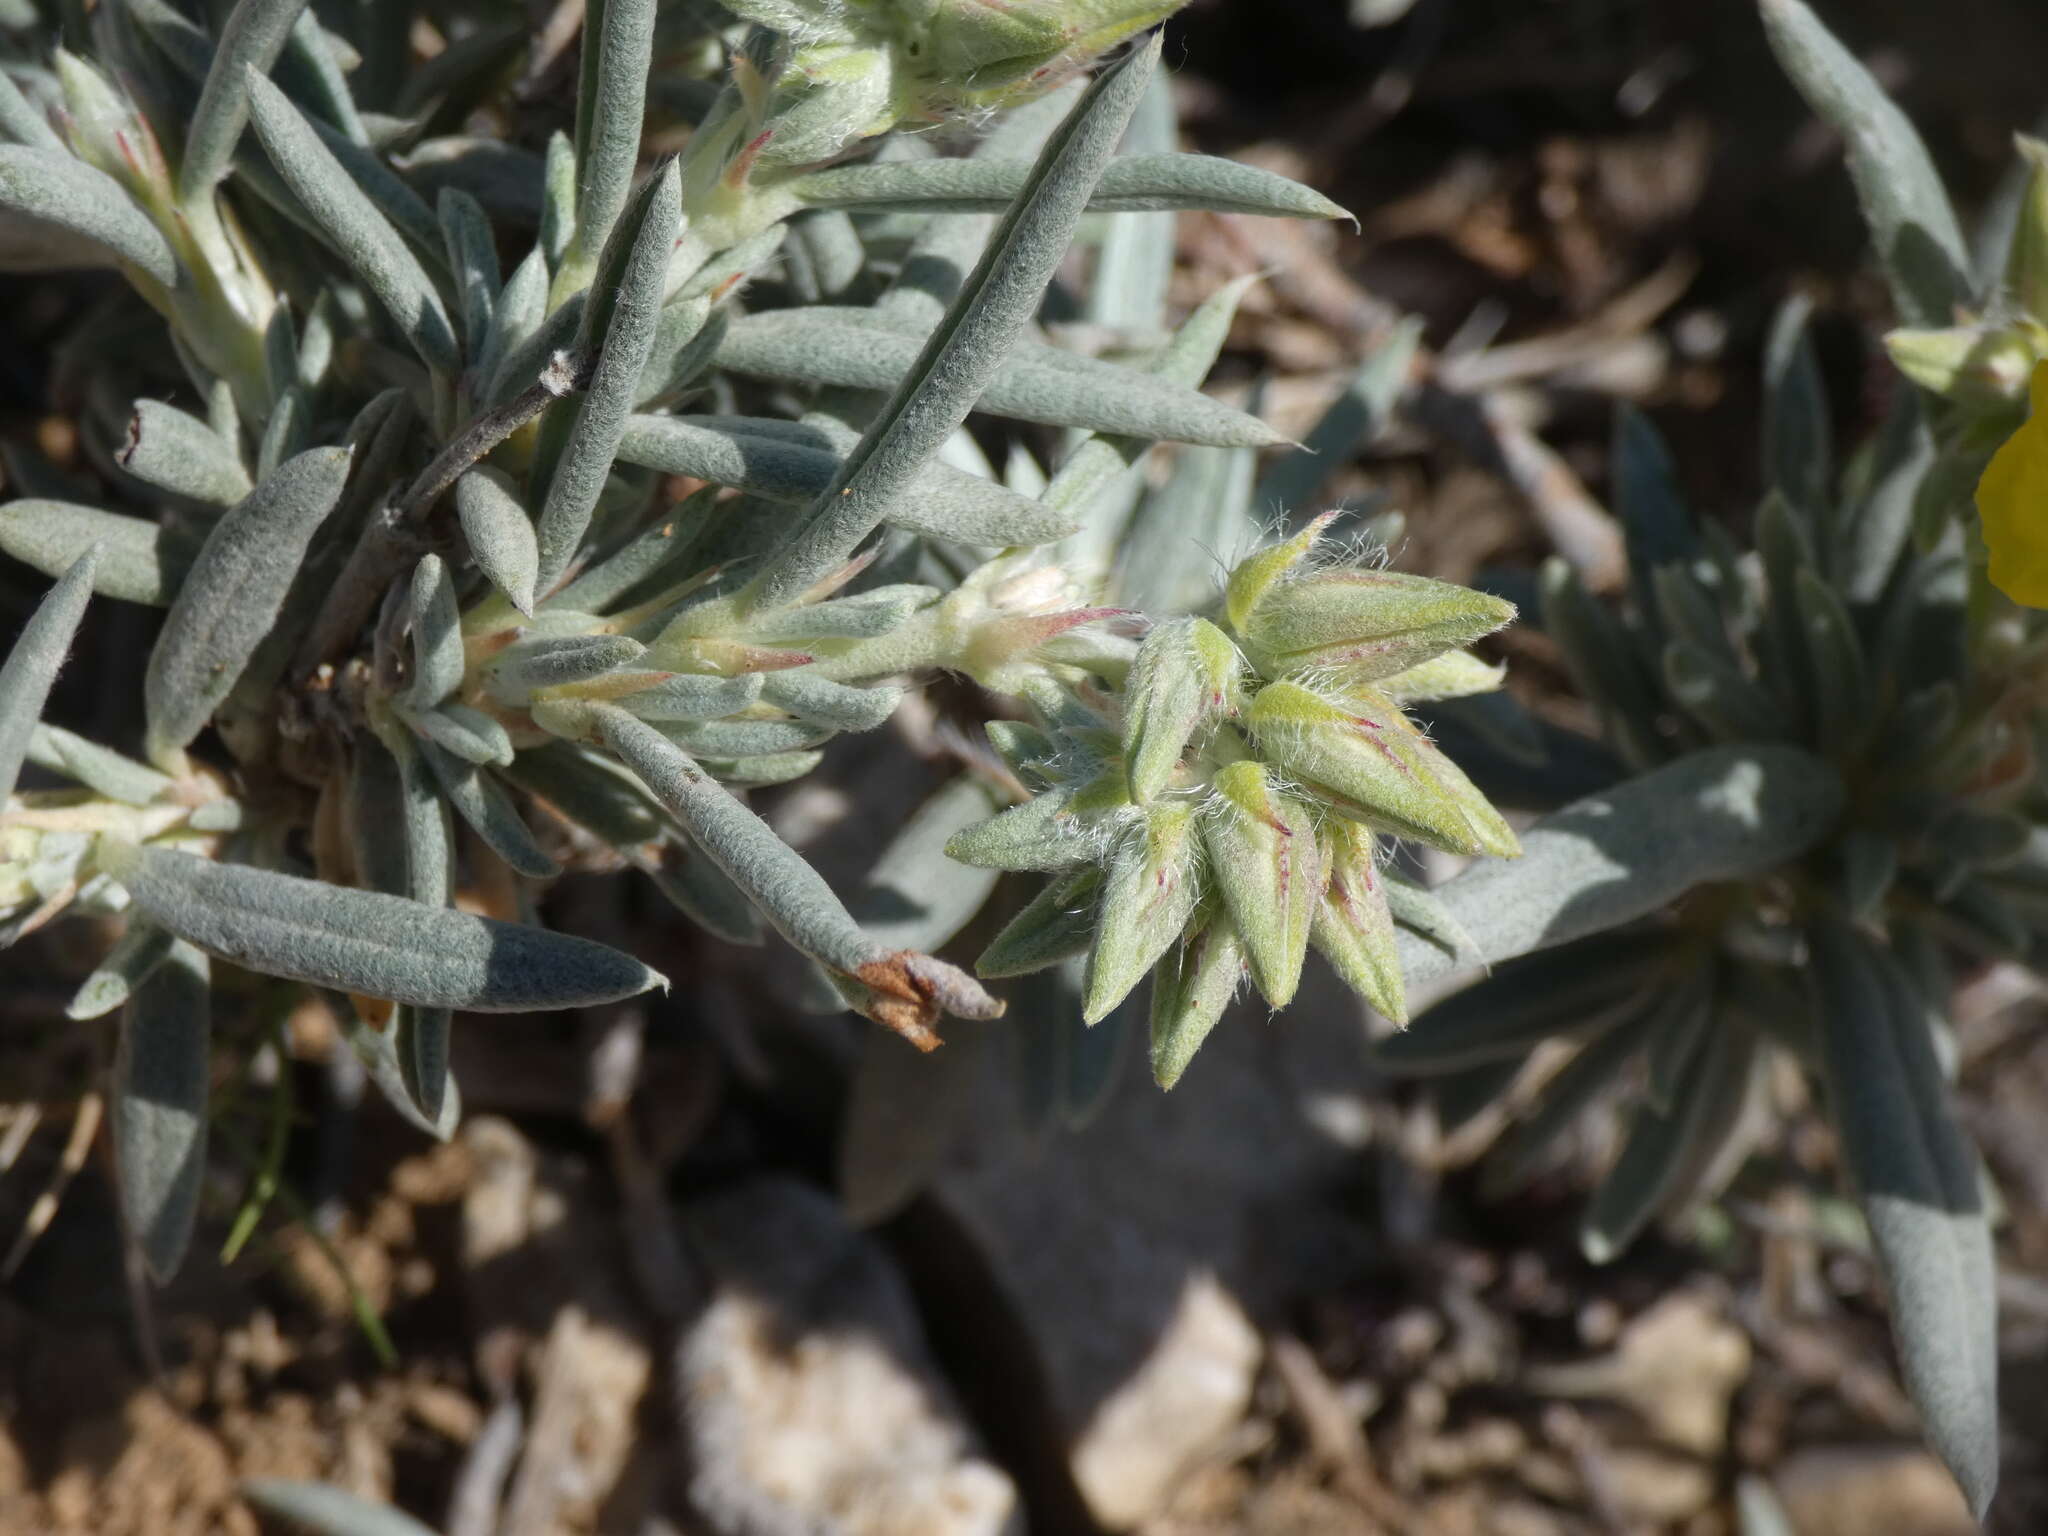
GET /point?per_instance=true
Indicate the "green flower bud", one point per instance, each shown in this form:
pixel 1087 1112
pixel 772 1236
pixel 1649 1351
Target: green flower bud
pixel 2026 268
pixel 978 54
pixel 1193 986
pixel 1977 367
pixel 1263 854
pixel 1368 624
pixel 1042 833
pixel 1376 767
pixel 1258 573
pixel 830 95
pixel 1153 879
pixel 1186 674
pixel 1453 675
pixel 1353 928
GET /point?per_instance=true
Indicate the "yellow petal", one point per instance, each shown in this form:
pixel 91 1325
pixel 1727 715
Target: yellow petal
pixel 2012 502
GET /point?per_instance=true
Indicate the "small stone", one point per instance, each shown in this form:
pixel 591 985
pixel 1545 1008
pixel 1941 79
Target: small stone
pixel 1851 1490
pixel 808 1395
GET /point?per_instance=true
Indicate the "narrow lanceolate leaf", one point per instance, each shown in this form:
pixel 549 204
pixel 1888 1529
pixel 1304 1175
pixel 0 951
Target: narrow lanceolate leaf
pixel 1353 420
pixel 140 561
pixel 1041 834
pixel 138 952
pixel 852 350
pixel 820 701
pixel 500 534
pixel 232 595
pixel 92 215
pixel 1129 184
pixel 469 733
pixel 437 659
pixel 515 674
pixel 611 99
pixel 254 36
pixel 327 1510
pixel 1265 861
pixel 1918 242
pixel 31 666
pixel 100 769
pixel 631 313
pixel 1192 987
pixel 965 354
pixel 477 799
pixel 374 250
pixel 909 989
pixel 182 454
pixel 160 1082
pixel 737 451
pixel 23 123
pixel 370 943
pixel 472 262
pixel 1650 1171
pixel 1917 1177
pixel 1729 813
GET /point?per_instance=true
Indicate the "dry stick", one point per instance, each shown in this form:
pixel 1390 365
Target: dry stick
pixel 392 536
pixel 84 1126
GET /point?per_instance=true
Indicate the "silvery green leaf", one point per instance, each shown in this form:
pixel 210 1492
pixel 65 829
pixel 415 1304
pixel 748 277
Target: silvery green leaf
pixel 469 733
pixel 438 664
pixel 1168 557
pixel 1128 184
pixel 160 1084
pixel 398 806
pixel 500 534
pixel 93 216
pixel 24 123
pixel 1190 990
pixel 558 195
pixel 688 696
pixel 725 273
pixel 1918 1179
pixel 1057 923
pixel 1843 696
pixel 472 262
pixel 861 617
pixel 250 41
pixel 1518 1156
pixel 745 738
pixel 825 244
pixel 1799 450
pixel 1603 662
pixel 939 382
pixel 368 942
pixel 1674 1028
pixel 529 665
pixel 32 663
pixel 139 951
pixel 326 1510
pixel 180 453
pixel 681 350
pixel 1570 993
pixel 1784 550
pixel 850 349
pixel 701 892
pixel 369 243
pixel 943 502
pixel 421 1039
pixel 100 769
pixel 317 63
pixel 1459 1098
pixel 139 562
pixel 1134 260
pixel 1919 245
pixel 232 594
pixel 287 430
pixel 623 312
pixel 820 701
pixel 1879 524
pixel 1726 813
pixel 516 315
pixel 1648 503
pixel 1358 415
pixel 647 562
pixel 611 100
pixel 477 799
pixel 1723 698
pixel 910 988
pixel 1424 914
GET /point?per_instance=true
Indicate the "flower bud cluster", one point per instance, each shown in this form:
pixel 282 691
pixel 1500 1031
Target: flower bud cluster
pixel 1216 814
